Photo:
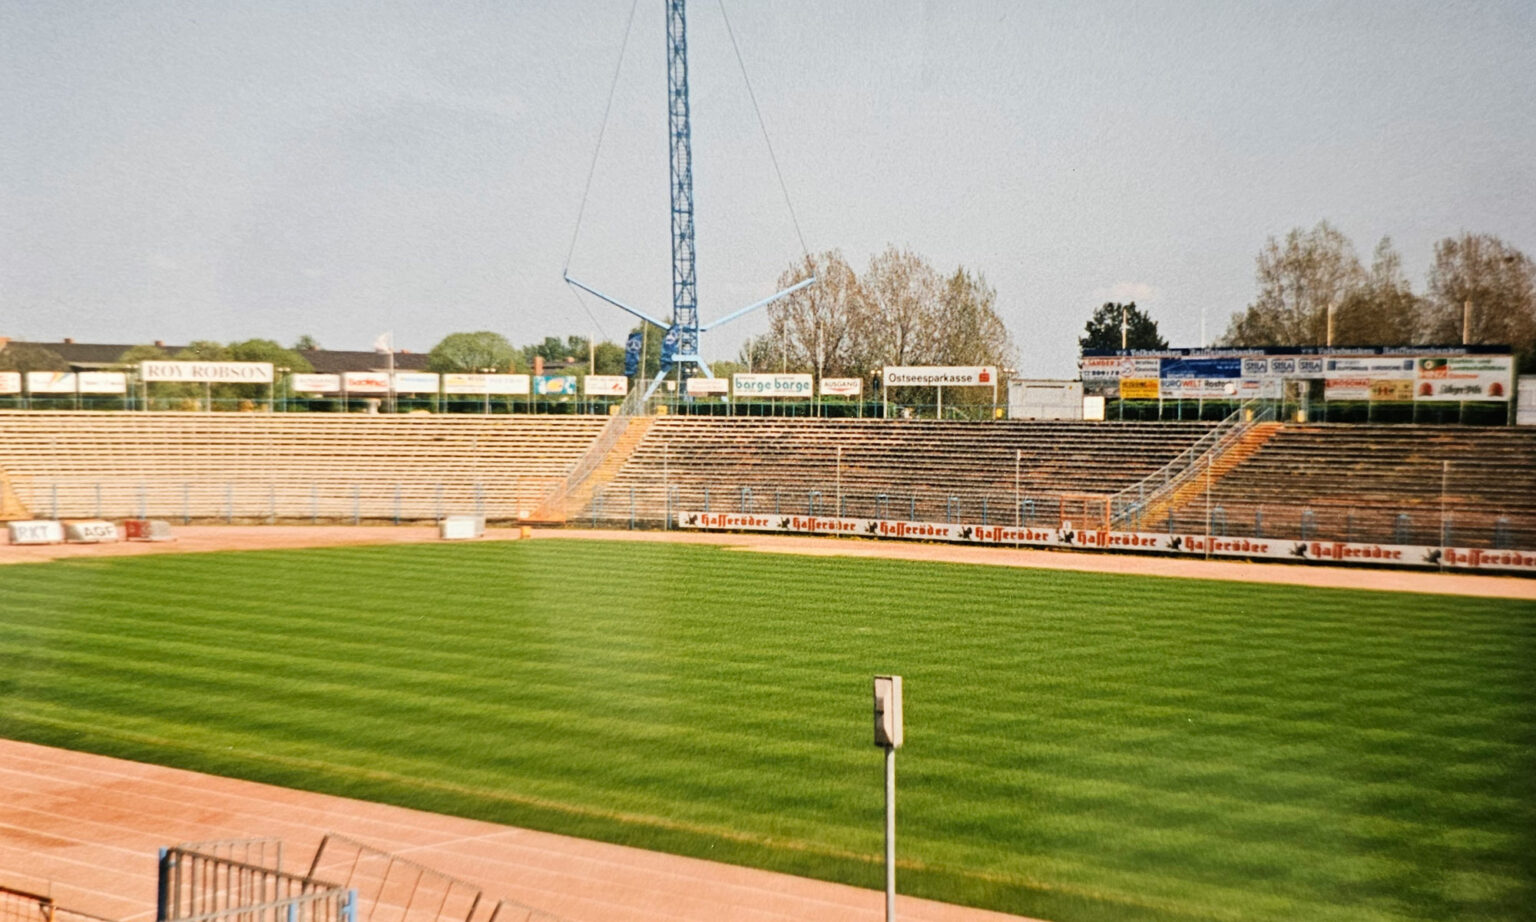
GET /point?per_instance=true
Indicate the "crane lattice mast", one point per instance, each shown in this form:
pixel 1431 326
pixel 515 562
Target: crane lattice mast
pixel 680 345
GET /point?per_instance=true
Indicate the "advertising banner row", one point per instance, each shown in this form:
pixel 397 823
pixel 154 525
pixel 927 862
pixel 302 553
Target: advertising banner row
pixel 1381 378
pixel 1188 545
pixel 65 382
pixel 425 382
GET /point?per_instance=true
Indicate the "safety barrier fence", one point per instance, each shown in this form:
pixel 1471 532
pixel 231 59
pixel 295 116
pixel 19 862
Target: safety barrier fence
pixel 17 905
pixel 204 884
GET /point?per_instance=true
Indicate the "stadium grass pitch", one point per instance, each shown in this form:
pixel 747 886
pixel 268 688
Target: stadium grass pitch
pixel 1079 746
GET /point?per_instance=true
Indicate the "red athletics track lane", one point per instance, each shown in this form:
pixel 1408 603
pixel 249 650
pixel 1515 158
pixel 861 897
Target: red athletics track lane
pixel 89 827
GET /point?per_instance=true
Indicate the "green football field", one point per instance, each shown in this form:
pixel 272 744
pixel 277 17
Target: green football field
pixel 1079 746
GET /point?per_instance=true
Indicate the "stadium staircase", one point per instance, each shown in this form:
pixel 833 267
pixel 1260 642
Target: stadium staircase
pixel 11 506
pixel 596 470
pixel 1209 469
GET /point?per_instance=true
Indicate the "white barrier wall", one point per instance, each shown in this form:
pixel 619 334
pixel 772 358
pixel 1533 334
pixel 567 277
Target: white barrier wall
pixel 1186 545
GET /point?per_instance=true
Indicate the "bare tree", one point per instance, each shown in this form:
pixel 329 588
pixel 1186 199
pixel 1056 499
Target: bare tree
pixel 900 323
pixel 815 325
pixel 1382 310
pixel 1299 281
pixel 1483 290
pixel 970 331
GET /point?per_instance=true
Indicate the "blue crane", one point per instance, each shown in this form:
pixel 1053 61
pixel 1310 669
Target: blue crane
pixel 680 342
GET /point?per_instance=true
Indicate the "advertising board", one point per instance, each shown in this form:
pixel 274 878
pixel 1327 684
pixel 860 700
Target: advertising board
pixel 842 387
pixel 606 385
pixel 939 375
pixel 10 382
pixel 705 387
pixel 1464 377
pixel 102 382
pixel 1139 388
pixel 746 384
pixel 209 372
pixel 315 384
pixel 50 382
pixel 1176 544
pixel 416 382
pixel 554 385
pixel 366 382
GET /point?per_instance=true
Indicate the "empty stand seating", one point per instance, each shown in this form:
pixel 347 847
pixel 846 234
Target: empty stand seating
pixel 1355 482
pixel 923 469
pixel 287 466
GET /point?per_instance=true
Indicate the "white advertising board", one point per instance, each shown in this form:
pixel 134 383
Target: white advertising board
pixel 747 384
pixel 607 385
pixel 39 531
pixel 92 531
pixel 939 375
pixel 102 382
pixel 365 382
pixel 1525 412
pixel 842 387
pixel 1464 377
pixel 1181 544
pixel 315 384
pixel 213 372
pixel 50 382
pixel 1200 388
pixel 705 387
pixel 463 383
pixel 508 385
pixel 10 382
pixel 1107 369
pixel 416 382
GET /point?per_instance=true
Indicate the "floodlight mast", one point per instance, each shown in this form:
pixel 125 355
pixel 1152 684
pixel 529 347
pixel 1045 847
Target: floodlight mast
pixel 685 297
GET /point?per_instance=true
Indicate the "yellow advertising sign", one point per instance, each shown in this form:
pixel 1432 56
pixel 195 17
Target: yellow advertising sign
pixel 1138 388
pixel 1384 390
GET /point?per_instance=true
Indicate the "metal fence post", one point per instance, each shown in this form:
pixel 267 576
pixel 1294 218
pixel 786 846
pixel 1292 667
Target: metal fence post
pixel 98 500
pixel 1308 521
pixel 186 503
pixel 631 508
pixel 912 508
pixel 229 504
pixel 357 505
pixel 811 499
pixel 143 502
pixel 314 503
pixel 1258 523
pixel 271 504
pixel 55 501
pixel 1402 528
pixel 397 504
pixel 706 497
pixel 983 510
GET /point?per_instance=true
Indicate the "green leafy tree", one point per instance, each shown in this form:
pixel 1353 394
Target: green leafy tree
pixel 266 350
pixel 146 352
pixel 609 358
pixel 25 357
pixel 471 352
pixel 305 343
pixel 1104 329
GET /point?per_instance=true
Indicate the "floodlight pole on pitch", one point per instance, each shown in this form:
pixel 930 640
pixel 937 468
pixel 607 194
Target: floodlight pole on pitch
pixel 888 736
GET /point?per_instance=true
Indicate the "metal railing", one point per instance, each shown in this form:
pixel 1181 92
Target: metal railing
pixel 1128 503
pixel 205 886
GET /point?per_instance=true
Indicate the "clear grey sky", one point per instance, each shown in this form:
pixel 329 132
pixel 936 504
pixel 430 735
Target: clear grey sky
pixel 181 170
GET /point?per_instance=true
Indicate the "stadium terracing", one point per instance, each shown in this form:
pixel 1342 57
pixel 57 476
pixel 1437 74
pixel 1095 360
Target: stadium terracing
pixel 1451 487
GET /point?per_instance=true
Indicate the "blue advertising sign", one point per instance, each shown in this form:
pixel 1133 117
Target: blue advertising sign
pixel 554 384
pixel 669 346
pixel 632 354
pixel 1223 367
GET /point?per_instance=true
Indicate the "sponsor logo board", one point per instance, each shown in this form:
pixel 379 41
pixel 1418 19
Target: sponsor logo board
pixel 10 382
pixel 842 387
pixel 554 385
pixel 939 375
pixel 50 382
pixel 607 385
pixel 212 372
pixel 416 382
pixel 315 384
pixel 704 387
pixel 1098 539
pixel 1139 388
pixel 771 385
pixel 1464 377
pixel 366 382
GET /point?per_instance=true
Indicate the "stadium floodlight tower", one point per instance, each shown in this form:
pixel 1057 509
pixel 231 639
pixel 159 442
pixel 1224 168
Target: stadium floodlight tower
pixel 680 342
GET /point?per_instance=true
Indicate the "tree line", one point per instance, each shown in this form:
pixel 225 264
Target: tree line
pixel 1314 290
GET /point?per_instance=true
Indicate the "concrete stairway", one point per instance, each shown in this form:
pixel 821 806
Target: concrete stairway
pixel 10 504
pixel 576 498
pixel 1239 451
